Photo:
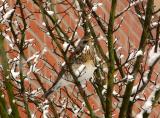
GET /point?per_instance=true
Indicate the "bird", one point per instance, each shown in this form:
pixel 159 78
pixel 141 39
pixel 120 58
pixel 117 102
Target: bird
pixel 82 65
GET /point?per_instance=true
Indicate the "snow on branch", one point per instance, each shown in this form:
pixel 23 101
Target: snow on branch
pixel 14 73
pixel 96 5
pixel 130 78
pixel 7 15
pixel 136 2
pixel 35 93
pixel 142 82
pixel 153 56
pixel 148 105
pixel 45 109
pixel 9 39
pixel 50 12
pixel 129 6
pixel 139 53
pixel 154 24
pixel 34 57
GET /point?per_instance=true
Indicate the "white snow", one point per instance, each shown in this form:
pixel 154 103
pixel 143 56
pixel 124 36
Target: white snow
pixel 63 64
pixel 45 111
pixel 115 93
pixel 61 83
pixel 94 8
pixel 154 24
pixel 36 92
pixel 103 91
pixel 9 111
pixel 65 45
pixel 97 58
pixel 33 68
pixel 132 55
pixel 48 33
pixel 130 78
pixel 135 2
pixel 141 16
pixel 14 73
pixel 77 5
pixel 10 40
pixel 43 23
pixel 121 56
pixel 139 53
pixel 75 109
pixel 153 56
pixel 50 13
pixel 119 48
pixel 44 50
pixel 147 107
pixel 58 21
pixel 96 5
pixel 29 40
pixel 7 15
pixel 105 86
pixel 7 37
pixel 144 80
pixel 137 98
pixel 140 115
pixel 34 57
pixel 4 7
pixel 33 115
pixel 131 4
pixel 1 9
pixel 116 40
pixel 26 79
pixel 77 42
pixel 100 38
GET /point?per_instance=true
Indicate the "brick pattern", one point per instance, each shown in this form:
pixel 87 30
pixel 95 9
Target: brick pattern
pixel 130 28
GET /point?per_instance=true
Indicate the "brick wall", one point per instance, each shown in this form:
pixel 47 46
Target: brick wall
pixel 130 30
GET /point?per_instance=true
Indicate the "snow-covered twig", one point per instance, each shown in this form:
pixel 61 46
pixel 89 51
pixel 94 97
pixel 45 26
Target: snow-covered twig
pixel 149 104
pixel 128 7
pixel 7 15
pixel 153 56
pixel 144 80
